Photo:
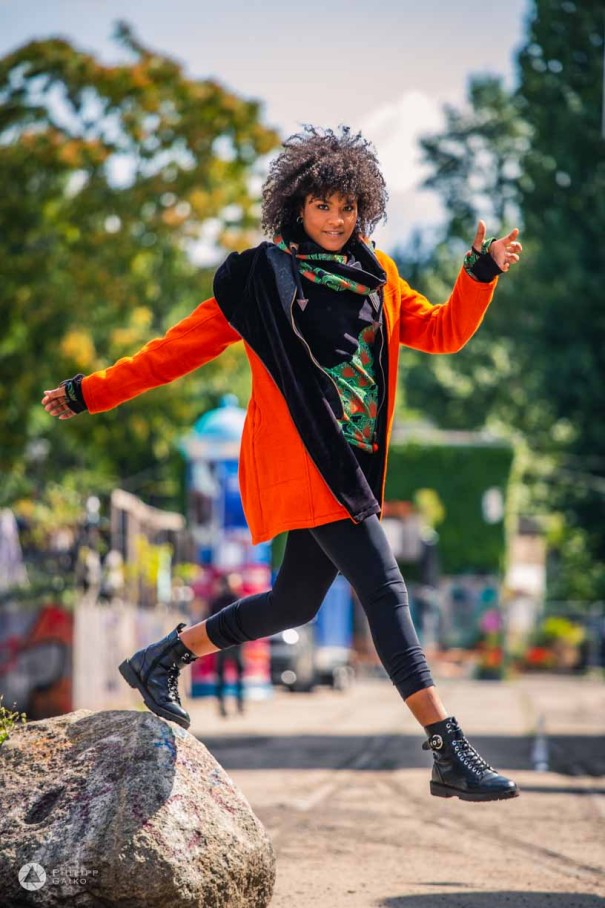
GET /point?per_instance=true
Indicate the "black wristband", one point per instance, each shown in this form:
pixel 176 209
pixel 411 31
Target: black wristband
pixel 73 393
pixel 481 264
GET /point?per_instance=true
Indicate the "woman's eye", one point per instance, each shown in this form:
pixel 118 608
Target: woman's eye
pixel 323 205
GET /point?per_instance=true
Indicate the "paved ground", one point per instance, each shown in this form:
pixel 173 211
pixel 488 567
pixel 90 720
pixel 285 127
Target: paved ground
pixel 341 783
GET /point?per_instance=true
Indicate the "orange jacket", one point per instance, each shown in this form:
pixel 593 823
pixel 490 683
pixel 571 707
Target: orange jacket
pixel 280 485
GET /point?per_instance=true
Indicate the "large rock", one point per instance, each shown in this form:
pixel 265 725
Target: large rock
pixel 123 808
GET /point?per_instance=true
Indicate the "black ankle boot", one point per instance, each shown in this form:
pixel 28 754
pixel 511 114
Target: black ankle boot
pixel 155 669
pixel 458 770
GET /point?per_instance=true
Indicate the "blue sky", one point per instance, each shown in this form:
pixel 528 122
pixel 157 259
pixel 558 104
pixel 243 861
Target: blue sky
pixel 383 66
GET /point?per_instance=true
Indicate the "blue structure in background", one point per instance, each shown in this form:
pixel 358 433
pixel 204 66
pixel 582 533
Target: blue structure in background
pixel 217 523
pixel 230 502
pixel 334 624
pixel 215 513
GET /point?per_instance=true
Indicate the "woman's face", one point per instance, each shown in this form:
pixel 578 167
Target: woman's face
pixel 329 221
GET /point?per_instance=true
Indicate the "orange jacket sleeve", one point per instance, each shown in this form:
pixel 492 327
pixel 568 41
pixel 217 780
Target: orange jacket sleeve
pixel 447 327
pixel 190 343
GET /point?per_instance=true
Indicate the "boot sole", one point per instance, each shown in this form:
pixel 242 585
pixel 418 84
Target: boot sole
pixel 444 791
pixel 131 677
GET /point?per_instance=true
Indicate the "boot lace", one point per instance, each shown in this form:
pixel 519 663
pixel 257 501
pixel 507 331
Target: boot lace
pixel 463 749
pixel 172 683
pixel 470 757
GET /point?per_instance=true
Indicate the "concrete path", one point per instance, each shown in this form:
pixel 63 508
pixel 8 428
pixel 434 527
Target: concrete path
pixel 342 785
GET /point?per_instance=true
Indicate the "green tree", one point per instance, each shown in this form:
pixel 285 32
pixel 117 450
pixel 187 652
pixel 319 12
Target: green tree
pixel 476 160
pixel 533 157
pixel 110 176
pixel 475 166
pixel 563 204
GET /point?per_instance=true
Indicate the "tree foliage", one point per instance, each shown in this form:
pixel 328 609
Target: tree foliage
pixel 563 204
pixel 475 166
pixel 110 175
pixel 533 157
pixel 459 476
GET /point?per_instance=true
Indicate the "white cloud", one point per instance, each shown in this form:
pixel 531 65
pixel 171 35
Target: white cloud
pixel 407 212
pixel 395 129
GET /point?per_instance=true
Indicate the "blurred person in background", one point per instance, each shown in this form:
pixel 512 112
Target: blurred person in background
pixel 322 314
pixel 229 589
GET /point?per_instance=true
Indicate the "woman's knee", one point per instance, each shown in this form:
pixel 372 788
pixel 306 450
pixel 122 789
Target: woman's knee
pixel 271 612
pixel 388 590
pixel 299 606
pixel 300 589
pixel 307 611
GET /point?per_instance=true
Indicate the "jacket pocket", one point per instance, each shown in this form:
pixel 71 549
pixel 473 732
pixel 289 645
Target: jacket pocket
pixel 278 452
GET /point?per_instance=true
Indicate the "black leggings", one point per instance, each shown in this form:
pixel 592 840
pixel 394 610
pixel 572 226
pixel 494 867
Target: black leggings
pixel 312 558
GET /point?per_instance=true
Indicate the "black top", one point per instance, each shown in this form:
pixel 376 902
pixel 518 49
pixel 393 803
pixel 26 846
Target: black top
pixel 331 323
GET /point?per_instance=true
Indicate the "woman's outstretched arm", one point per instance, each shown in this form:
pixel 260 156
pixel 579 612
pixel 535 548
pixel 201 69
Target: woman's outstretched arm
pixel 187 345
pixel 447 327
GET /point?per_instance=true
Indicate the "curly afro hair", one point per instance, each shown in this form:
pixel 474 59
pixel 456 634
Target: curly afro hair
pixel 319 162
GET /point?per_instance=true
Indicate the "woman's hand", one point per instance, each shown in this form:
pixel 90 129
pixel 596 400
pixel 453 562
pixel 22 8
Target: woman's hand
pixel 55 403
pixel 505 251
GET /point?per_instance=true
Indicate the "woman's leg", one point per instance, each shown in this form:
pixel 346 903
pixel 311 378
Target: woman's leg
pixel 300 587
pixel 362 553
pixel 302 582
pixel 426 706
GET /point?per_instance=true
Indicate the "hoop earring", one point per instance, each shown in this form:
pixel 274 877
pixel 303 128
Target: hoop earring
pixel 299 219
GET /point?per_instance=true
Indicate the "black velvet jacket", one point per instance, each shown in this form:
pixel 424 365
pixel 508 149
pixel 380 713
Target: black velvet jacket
pixel 256 291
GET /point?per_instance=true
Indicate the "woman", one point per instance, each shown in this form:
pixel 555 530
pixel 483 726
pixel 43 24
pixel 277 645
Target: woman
pixel 322 315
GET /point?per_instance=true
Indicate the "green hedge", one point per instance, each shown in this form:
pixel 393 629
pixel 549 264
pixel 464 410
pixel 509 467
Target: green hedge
pixel 459 474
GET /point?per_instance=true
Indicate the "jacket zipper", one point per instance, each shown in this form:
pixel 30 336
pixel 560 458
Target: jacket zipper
pixel 384 385
pixel 298 334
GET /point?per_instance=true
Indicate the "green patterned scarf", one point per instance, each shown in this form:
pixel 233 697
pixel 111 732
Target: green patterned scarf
pixel 335 273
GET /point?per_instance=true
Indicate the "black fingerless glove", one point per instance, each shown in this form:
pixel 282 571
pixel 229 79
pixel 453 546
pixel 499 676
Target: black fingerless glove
pixel 481 264
pixel 73 393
